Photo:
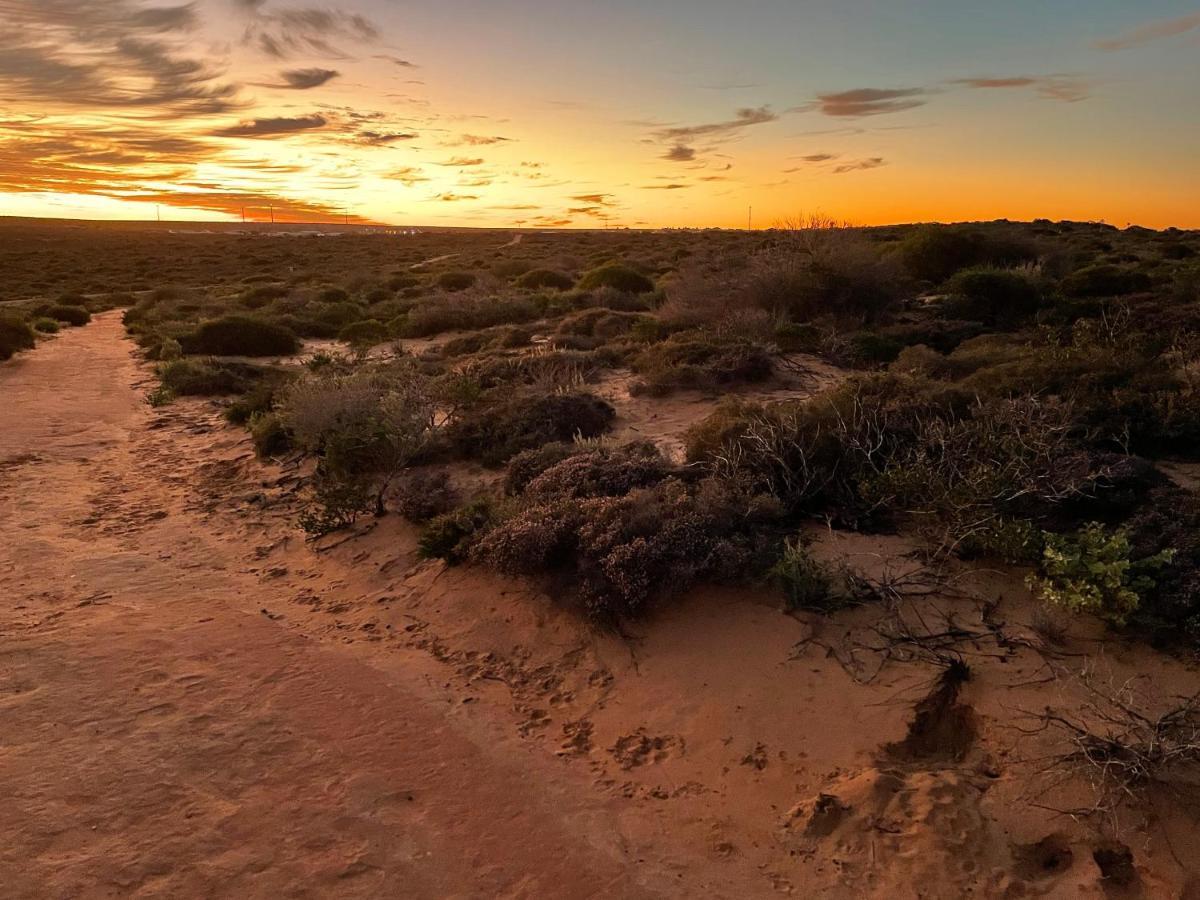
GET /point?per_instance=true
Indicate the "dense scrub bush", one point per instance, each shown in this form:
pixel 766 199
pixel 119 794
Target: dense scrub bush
pixel 71 315
pixel 456 281
pixel 364 428
pixel 1169 521
pixel 462 314
pixel 498 431
pixel 1094 571
pixel 200 377
pixel 999 297
pixel 421 496
pixel 367 333
pixel 625 549
pixel 618 277
pixel 46 325
pixel 819 268
pixel 691 362
pixel 935 252
pixel 240 336
pixel 269 434
pixel 338 315
pixel 967 473
pixel 450 537
pixel 15 335
pixel 545 279
pixel 1104 281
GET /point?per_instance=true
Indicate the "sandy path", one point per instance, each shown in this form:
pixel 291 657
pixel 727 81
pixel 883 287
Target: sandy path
pixel 158 740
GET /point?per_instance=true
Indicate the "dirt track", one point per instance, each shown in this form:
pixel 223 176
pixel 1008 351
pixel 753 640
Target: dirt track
pixel 159 739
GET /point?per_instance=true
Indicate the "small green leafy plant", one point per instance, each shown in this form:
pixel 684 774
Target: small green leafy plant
pixel 1092 571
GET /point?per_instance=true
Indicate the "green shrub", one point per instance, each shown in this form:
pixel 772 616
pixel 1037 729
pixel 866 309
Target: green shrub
pixel 198 377
pixel 449 537
pixel 1093 571
pixel 545 279
pixel 240 336
pixel 935 252
pixel 618 277
pixel 1001 297
pixel 339 315
pixel 869 348
pixel 46 325
pixel 497 432
pixel 15 335
pixel 71 315
pixel 456 281
pixel 367 333
pixel 624 551
pixel 269 434
pixel 806 584
pixel 1104 281
pixel 423 496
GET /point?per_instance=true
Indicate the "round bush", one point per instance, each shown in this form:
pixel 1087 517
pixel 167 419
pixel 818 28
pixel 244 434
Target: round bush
pixel 241 336
pixel 455 281
pixel 545 279
pixel 1104 281
pixel 619 278
pixel 993 296
pixel 364 334
pixel 71 315
pixel 15 334
pixel 46 325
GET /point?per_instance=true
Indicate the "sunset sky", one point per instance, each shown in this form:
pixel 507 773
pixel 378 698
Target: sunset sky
pixel 573 113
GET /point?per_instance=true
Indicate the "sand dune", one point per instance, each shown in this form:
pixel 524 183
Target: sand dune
pixel 198 703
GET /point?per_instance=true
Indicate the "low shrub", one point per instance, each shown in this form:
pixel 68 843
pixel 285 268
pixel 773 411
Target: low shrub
pixel 624 551
pixel 998 297
pixel 240 336
pixel 450 537
pixel 46 325
pixel 699 363
pixel 15 335
pixel 367 333
pixel 422 496
pixel 935 252
pixel 270 435
pixel 545 279
pixel 1105 281
pixel 496 432
pixel 618 277
pixel 455 281
pixel 364 428
pixel 71 315
pixel 806 583
pixel 199 377
pixel 1094 571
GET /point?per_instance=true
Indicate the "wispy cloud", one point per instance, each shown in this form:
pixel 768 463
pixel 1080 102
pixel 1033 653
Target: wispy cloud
pixel 680 153
pixel 1068 88
pixel 274 127
pixel 1151 31
pixel 293 31
pixel 743 118
pixel 462 162
pixel 862 102
pixel 860 165
pixel 665 187
pixel 306 79
pixel 114 54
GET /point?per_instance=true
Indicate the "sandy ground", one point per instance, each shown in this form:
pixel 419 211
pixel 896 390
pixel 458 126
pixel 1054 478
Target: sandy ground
pixel 197 703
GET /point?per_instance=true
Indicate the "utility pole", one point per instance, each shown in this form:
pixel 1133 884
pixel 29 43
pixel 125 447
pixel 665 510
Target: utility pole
pixel 750 219
pixel 272 215
pixel 243 215
pixel 158 212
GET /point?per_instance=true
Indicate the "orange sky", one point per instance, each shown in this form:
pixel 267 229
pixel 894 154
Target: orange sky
pixel 652 113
